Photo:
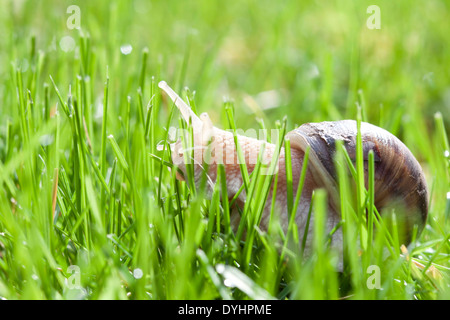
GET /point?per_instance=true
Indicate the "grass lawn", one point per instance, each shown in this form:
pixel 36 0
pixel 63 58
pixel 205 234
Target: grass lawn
pixel 90 206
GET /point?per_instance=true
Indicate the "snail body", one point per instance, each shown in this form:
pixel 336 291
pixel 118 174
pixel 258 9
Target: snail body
pixel 399 179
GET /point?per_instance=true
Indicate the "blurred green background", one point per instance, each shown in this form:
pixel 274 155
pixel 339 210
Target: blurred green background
pixel 307 60
pixel 316 55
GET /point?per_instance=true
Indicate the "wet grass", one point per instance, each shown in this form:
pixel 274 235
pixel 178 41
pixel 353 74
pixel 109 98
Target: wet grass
pixel 92 209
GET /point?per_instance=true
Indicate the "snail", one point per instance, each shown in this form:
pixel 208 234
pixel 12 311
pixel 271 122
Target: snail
pixel 399 179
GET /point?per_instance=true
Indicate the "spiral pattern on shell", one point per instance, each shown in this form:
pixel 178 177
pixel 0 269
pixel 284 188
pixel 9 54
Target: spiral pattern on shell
pixel 399 179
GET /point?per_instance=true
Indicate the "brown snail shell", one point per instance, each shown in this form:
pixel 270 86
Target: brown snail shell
pixel 399 178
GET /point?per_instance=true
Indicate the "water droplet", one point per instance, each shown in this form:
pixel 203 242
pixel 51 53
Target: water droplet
pixel 446 153
pixel 228 283
pixel 67 44
pixel 220 268
pixel 46 139
pixel 126 49
pixel 137 273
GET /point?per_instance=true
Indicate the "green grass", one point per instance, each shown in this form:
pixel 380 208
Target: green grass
pixel 84 184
